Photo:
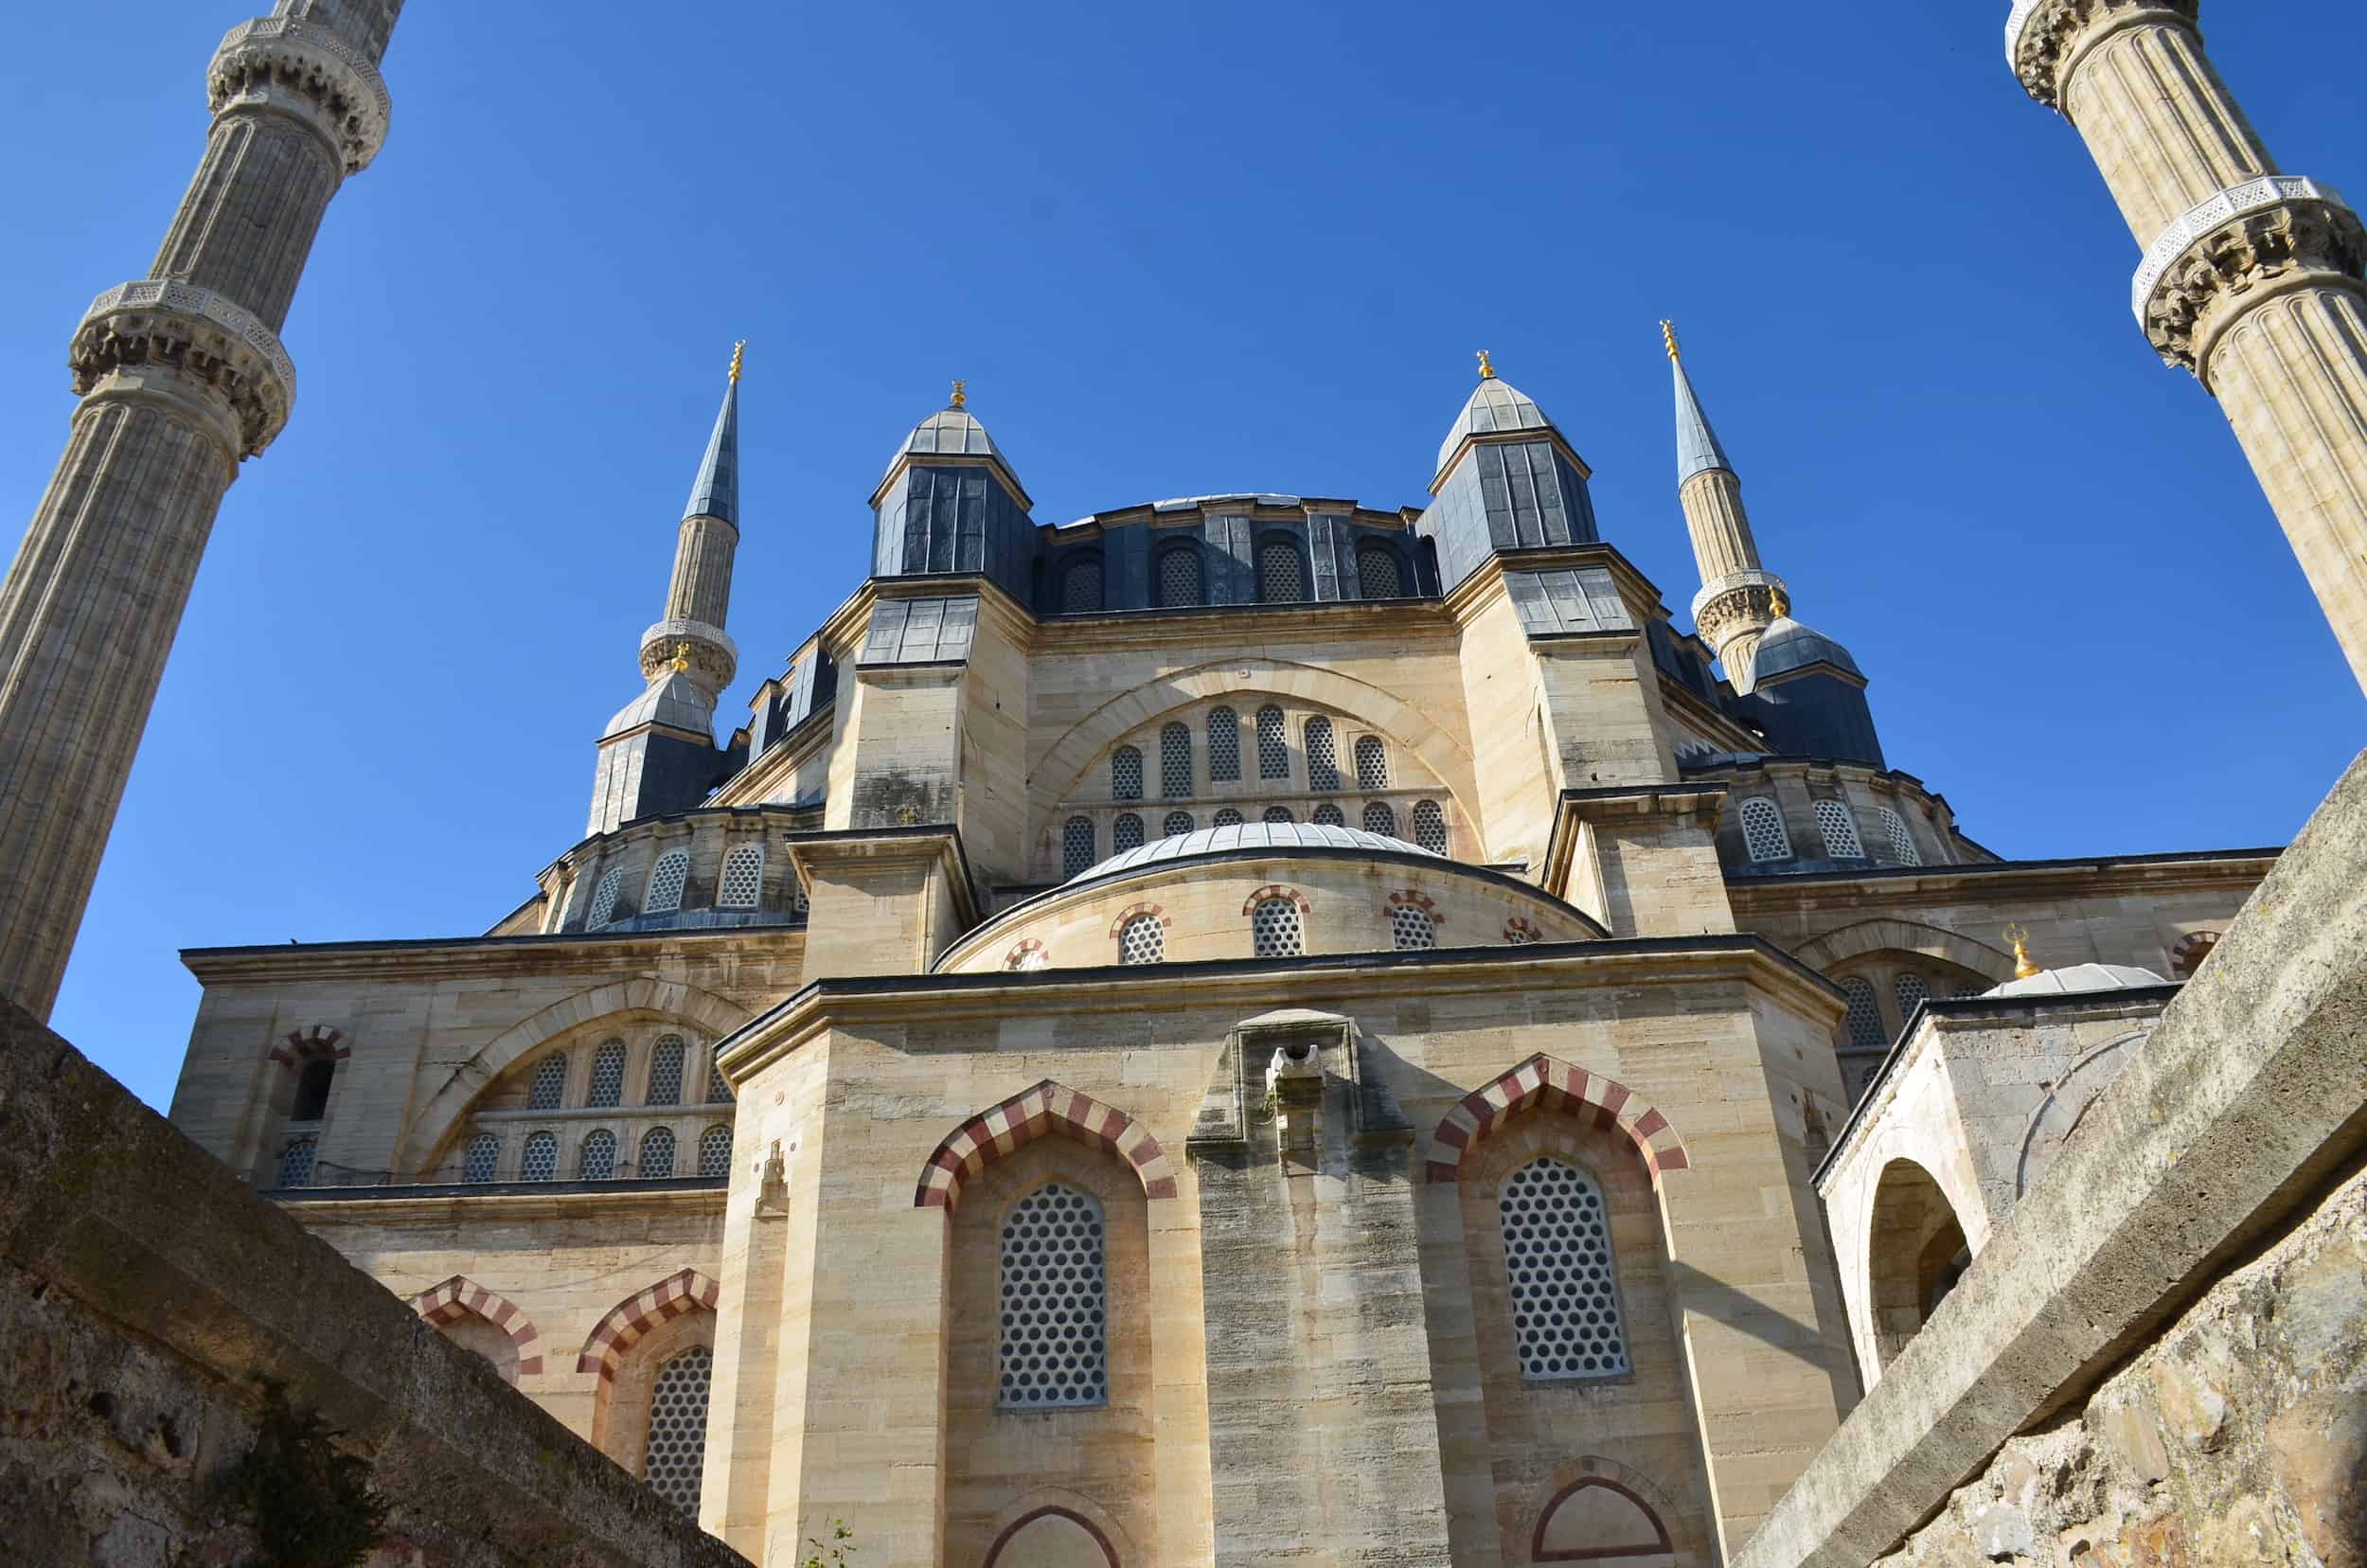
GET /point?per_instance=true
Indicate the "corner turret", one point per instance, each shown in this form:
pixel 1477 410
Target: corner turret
pixel 951 502
pixel 1506 480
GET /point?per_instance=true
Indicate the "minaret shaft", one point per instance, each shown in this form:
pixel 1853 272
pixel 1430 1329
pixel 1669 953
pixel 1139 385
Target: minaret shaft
pixel 182 377
pixel 701 586
pixel 1719 524
pixel 1737 601
pixel 2161 124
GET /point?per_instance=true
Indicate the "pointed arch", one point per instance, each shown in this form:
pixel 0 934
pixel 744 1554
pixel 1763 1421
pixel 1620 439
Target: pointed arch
pixel 1555 1085
pixel 322 1041
pixel 1049 1514
pixel 1048 1108
pixel 461 1297
pixel 629 1319
pixel 1823 953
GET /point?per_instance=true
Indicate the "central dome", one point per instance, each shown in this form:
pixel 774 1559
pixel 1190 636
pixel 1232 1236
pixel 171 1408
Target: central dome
pixel 1251 835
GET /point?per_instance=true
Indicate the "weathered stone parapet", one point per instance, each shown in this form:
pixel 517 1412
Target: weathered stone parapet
pixel 2044 38
pixel 713 657
pixel 282 65
pixel 2239 248
pixel 158 322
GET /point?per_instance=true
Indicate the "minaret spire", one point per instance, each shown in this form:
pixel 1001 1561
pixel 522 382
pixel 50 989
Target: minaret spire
pixel 1737 601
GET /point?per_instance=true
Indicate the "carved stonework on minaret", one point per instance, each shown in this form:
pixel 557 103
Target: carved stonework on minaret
pixel 1740 604
pixel 306 69
pixel 154 322
pixel 2226 253
pixel 2042 35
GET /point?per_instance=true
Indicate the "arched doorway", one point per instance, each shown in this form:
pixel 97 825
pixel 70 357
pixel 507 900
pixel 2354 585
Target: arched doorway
pixel 1916 1251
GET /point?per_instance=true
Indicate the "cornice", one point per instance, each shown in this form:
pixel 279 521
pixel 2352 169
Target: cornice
pixel 446 1204
pixel 480 956
pixel 2000 879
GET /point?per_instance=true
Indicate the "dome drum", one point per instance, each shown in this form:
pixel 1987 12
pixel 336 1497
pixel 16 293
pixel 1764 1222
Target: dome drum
pixel 697 870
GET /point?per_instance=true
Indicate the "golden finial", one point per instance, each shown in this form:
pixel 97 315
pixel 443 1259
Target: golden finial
pixel 1668 336
pixel 738 349
pixel 1487 371
pixel 2023 968
pixel 681 657
pixel 1777 600
pixel 961 395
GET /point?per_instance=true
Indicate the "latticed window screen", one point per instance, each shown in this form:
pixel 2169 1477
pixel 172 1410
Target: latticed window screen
pixel 1372 763
pixel 1126 773
pixel 743 878
pixel 1380 819
pixel 1912 991
pixel 1839 830
pixel 1763 831
pixel 1279 813
pixel 1275 930
pixel 1330 815
pixel 1224 744
pixel 1968 987
pixel 1054 1302
pixel 1902 843
pixel 1228 819
pixel 1430 825
pixel 1076 846
pixel 675 1454
pixel 1412 930
pixel 296 1159
pixel 1281 575
pixel 1865 1019
pixel 1376 573
pixel 1322 756
pixel 1274 753
pixel 1127 832
pixel 549 1089
pixel 665 881
pixel 1175 762
pixel 1178 822
pixel 597 1160
pixel 540 1161
pixel 1080 587
pixel 1565 1303
pixel 1518 934
pixel 1142 940
pixel 1179 576
pixel 797 899
pixel 719 1092
pixel 608 1074
pixel 483 1161
pixel 657 1153
pixel 604 896
pixel 715 1151
pixel 666 1061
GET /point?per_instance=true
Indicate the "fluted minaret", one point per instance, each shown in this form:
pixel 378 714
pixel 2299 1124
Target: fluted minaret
pixel 1739 598
pixel 2251 278
pixel 658 753
pixel 182 377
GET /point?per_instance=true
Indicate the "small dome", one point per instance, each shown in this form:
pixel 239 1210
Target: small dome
pixel 1251 835
pixel 675 700
pixel 2078 979
pixel 1787 645
pixel 947 433
pixel 1497 407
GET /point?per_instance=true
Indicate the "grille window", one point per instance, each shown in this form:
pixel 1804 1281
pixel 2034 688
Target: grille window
pixel 1178 822
pixel 1175 762
pixel 1142 940
pixel 1228 819
pixel 1372 763
pixel 597 1160
pixel 1378 575
pixel 1275 930
pixel 719 1092
pixel 1126 833
pixel 665 880
pixel 1076 846
pixel 1380 819
pixel 1080 587
pixel 1126 773
pixel 657 1153
pixel 604 896
pixel 296 1159
pixel 608 1076
pixel 1565 1310
pixel 1865 1019
pixel 1519 933
pixel 1329 815
pixel 1763 831
pixel 1912 991
pixel 1273 755
pixel 540 1161
pixel 715 1151
pixel 1412 930
pixel 483 1161
pixel 1902 843
pixel 1839 830
pixel 550 1088
pixel 1323 757
pixel 665 1071
pixel 675 1454
pixel 1179 577
pixel 1430 825
pixel 1224 744
pixel 743 878
pixel 1054 1302
pixel 1281 575
pixel 1279 813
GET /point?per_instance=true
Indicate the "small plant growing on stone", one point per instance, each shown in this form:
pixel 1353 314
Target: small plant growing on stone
pixel 312 1505
pixel 837 1553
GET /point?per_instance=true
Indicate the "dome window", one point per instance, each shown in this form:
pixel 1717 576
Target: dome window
pixel 1412 930
pixel 1865 1020
pixel 1080 587
pixel 1224 745
pixel 1279 813
pixel 715 1151
pixel 541 1162
pixel 1372 763
pixel 597 1160
pixel 665 883
pixel 1378 575
pixel 1175 762
pixel 483 1161
pixel 657 1155
pixel 1142 940
pixel 1380 819
pixel 1281 573
pixel 1179 577
pixel 604 896
pixel 1322 756
pixel 1274 752
pixel 1275 928
pixel 1126 833
pixel 743 878
pixel 1327 815
pixel 549 1089
pixel 666 1064
pixel 1902 843
pixel 1763 832
pixel 1430 827
pixel 608 1074
pixel 1126 773
pixel 1076 846
pixel 1227 818
pixel 1178 824
pixel 1839 830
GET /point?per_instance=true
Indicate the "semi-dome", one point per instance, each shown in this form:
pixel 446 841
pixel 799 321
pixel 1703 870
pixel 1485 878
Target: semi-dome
pixel 947 433
pixel 1788 647
pixel 1496 408
pixel 2078 978
pixel 1251 835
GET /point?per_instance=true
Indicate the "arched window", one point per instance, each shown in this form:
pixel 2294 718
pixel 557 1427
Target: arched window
pixel 1329 815
pixel 666 1064
pixel 1227 818
pixel 548 1091
pixel 1080 587
pixel 2191 951
pixel 1412 930
pixel 608 1074
pixel 1372 763
pixel 1126 773
pixel 1142 940
pixel 675 1455
pixel 718 1088
pixel 1380 819
pixel 1055 1302
pixel 657 1153
pixel 1076 846
pixel 1279 813
pixel 1912 991
pixel 1430 825
pixel 1281 573
pixel 1865 1019
pixel 540 1161
pixel 1378 575
pixel 1917 1254
pixel 1902 843
pixel 743 878
pixel 1593 1520
pixel 313 1086
pixel 1839 830
pixel 665 883
pixel 297 1157
pixel 1323 757
pixel 1179 576
pixel 1274 754
pixel 1051 1534
pixel 1224 744
pixel 597 1160
pixel 1275 930
pixel 482 1163
pixel 1565 1301
pixel 1126 833
pixel 1175 762
pixel 1762 829
pixel 715 1151
pixel 1178 822
pixel 604 896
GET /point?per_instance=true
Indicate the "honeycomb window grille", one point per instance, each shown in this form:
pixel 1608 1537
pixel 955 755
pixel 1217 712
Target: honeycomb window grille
pixel 595 1161
pixel 549 1089
pixel 1175 762
pixel 1763 833
pixel 1430 825
pixel 742 882
pixel 675 1453
pixel 297 1157
pixel 797 898
pixel 1179 577
pixel 608 1076
pixel 1276 930
pixel 718 1090
pixel 1126 773
pixel 1126 833
pixel 482 1163
pixel 1968 987
pixel 1076 846
pixel 1519 933
pixel 1839 830
pixel 1322 756
pixel 1274 753
pixel 1558 1260
pixel 1412 930
pixel 1080 587
pixel 1902 843
pixel 665 883
pixel 1377 574
pixel 1056 1289
pixel 540 1161
pixel 715 1151
pixel 1911 992
pixel 665 1063
pixel 604 896
pixel 1372 763
pixel 1224 745
pixel 1865 1019
pixel 657 1153
pixel 1380 819
pixel 1227 818
pixel 1330 815
pixel 1279 813
pixel 1142 940
pixel 1178 822
pixel 1281 575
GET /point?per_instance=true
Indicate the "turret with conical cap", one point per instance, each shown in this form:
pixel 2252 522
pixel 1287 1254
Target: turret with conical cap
pixel 1739 597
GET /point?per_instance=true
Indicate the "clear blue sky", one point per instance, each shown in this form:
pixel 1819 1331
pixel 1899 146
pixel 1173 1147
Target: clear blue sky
pixel 1174 249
